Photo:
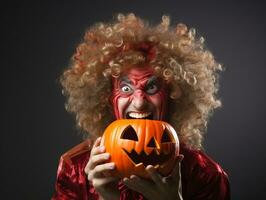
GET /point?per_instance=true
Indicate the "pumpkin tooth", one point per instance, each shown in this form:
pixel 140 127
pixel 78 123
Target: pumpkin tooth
pixel 145 159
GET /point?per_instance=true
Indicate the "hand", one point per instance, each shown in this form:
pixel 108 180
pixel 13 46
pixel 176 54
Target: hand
pixel 158 187
pixel 99 172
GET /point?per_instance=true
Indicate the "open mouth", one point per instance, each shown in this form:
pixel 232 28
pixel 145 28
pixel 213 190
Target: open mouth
pixel 138 115
pixel 154 158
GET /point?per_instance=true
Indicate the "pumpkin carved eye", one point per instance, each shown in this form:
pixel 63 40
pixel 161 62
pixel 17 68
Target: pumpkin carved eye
pixel 129 134
pixel 166 137
pixel 152 143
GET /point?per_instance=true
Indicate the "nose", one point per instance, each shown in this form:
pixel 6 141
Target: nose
pixel 139 101
pixel 153 143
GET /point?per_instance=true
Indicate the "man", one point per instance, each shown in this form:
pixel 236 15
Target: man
pixel 128 69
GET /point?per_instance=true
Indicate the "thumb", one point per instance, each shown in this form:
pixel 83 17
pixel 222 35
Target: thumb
pixel 177 168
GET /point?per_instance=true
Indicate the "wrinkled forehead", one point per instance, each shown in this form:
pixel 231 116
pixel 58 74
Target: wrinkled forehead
pixel 138 74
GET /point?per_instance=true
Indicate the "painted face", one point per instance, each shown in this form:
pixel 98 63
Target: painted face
pixel 139 94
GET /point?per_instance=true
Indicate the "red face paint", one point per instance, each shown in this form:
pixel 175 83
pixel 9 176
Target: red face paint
pixel 138 93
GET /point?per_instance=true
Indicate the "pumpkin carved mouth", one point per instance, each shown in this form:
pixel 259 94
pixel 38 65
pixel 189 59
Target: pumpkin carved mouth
pixel 154 158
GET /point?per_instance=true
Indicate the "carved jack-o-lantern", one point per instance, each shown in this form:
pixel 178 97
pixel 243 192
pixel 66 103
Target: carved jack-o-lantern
pixel 136 143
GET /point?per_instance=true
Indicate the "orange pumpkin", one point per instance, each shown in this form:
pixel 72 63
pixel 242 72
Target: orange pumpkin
pixel 137 143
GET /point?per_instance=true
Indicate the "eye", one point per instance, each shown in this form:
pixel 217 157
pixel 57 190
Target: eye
pixel 166 137
pixel 129 134
pixel 126 89
pixel 152 89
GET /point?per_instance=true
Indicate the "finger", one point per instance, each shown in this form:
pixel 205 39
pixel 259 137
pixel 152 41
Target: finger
pixel 175 175
pixel 97 148
pixel 130 185
pixel 176 171
pixel 97 142
pixel 133 185
pixel 155 176
pixel 99 169
pixel 98 182
pixel 140 185
pixel 98 159
pixel 94 159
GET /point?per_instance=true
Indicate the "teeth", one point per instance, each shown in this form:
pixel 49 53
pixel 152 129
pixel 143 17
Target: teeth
pixel 139 115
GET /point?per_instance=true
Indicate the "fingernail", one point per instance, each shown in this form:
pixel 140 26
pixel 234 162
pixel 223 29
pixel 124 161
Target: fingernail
pixel 102 148
pixel 149 167
pixel 111 166
pixel 134 177
pixel 107 156
pixel 125 179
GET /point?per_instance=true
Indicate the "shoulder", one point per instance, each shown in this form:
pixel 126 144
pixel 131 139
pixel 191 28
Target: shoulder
pixel 202 177
pixel 199 167
pixel 71 181
pixel 200 160
pixel 78 155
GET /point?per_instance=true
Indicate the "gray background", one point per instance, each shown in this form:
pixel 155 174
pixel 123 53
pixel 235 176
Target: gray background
pixel 39 38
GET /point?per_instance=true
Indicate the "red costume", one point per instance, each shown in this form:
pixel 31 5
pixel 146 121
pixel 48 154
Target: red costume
pixel 202 178
pixel 142 72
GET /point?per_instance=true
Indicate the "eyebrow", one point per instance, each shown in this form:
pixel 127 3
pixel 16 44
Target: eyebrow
pixel 126 79
pixel 151 80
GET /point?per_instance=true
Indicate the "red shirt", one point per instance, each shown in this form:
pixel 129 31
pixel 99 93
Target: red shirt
pixel 202 178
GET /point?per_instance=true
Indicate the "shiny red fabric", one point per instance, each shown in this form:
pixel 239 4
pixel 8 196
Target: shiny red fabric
pixel 202 178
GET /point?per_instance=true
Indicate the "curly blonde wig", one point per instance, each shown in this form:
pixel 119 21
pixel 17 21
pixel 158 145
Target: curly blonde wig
pixel 175 53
